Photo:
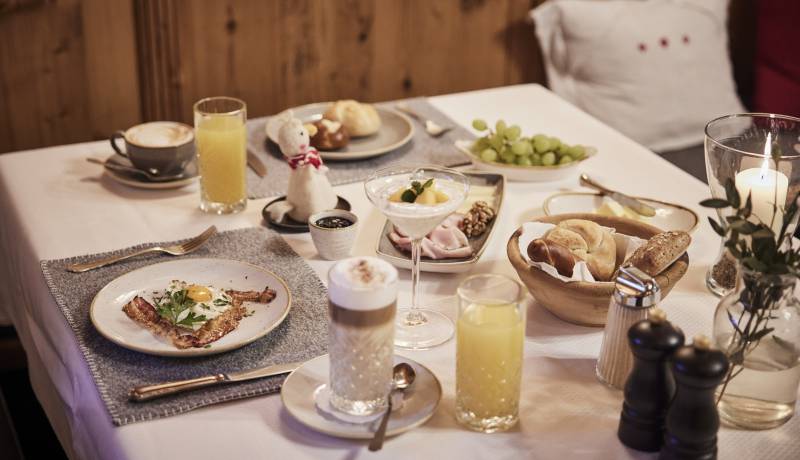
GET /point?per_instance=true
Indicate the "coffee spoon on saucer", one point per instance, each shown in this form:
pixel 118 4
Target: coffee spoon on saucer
pixel 402 378
pixel 122 168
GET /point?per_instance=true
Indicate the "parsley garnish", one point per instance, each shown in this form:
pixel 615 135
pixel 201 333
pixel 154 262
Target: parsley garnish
pixel 176 306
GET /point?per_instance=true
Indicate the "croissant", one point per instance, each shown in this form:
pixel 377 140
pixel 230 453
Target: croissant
pixel 587 241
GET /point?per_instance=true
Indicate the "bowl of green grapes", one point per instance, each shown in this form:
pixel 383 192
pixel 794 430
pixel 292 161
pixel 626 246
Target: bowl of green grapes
pixel 536 158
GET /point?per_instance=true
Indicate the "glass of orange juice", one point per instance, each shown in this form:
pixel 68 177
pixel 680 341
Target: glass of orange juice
pixel 489 340
pixel 221 141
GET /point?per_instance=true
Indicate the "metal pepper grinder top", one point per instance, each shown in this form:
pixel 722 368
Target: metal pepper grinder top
pixel 635 294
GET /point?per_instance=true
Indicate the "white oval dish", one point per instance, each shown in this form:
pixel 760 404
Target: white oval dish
pixel 112 323
pixel 669 216
pixel 525 173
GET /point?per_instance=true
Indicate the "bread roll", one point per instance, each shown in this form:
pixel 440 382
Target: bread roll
pixel 588 241
pixel 659 252
pixel 329 135
pixel 359 119
pixel 553 254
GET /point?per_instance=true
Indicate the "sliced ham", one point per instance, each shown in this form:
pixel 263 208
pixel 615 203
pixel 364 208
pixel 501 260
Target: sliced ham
pixel 446 241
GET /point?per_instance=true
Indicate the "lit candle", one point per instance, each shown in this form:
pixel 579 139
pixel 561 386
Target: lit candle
pixel 767 187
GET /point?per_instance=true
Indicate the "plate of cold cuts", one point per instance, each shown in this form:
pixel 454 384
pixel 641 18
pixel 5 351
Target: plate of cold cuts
pixel 458 242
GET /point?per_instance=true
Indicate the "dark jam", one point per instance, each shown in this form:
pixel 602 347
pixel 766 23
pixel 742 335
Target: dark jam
pixel 334 222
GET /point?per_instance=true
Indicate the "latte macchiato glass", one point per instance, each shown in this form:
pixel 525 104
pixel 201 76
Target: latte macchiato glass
pixel 219 124
pixel 363 298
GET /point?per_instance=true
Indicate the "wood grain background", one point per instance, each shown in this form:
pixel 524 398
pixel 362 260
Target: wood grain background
pixel 74 70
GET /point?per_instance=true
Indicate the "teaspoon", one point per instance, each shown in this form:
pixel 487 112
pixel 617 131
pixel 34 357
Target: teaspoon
pixel 402 378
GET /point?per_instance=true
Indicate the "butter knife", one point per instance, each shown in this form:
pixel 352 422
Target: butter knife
pixel 625 200
pixel 256 164
pixel 148 392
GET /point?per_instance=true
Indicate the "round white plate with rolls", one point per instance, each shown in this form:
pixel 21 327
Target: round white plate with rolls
pixel 395 130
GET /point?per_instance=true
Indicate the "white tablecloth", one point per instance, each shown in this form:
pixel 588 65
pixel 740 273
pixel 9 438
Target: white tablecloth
pixel 55 204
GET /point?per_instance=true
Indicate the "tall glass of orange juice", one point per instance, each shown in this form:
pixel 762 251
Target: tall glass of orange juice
pixel 489 341
pixel 221 141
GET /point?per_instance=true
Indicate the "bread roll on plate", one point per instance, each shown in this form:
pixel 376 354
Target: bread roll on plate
pixel 359 119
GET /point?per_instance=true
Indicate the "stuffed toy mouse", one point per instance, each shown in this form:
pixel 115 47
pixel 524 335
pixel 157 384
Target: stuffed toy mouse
pixel 309 190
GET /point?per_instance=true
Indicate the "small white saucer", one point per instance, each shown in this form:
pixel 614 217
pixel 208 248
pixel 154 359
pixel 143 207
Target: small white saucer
pixel 301 388
pixel 132 179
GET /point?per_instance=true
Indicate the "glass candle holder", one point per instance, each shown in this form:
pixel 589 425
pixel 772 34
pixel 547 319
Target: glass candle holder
pixel 489 343
pixel 760 154
pixel 221 142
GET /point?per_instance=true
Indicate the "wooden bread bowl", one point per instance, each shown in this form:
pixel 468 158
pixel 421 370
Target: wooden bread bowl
pixel 581 302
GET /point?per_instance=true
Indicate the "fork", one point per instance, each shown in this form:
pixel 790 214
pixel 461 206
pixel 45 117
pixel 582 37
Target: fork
pixel 175 250
pixel 431 128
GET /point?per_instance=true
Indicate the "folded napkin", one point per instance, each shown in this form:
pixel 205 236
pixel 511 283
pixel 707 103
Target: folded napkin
pixel 301 336
pixel 421 149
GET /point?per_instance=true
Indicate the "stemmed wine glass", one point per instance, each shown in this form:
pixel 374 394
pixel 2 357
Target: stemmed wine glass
pixel 417 328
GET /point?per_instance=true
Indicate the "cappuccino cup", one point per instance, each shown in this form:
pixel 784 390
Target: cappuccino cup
pixel 158 147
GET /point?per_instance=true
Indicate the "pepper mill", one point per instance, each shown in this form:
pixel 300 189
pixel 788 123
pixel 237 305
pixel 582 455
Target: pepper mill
pixel 635 293
pixel 692 419
pixel 650 386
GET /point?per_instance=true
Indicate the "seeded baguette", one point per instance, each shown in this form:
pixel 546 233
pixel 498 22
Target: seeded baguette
pixel 659 252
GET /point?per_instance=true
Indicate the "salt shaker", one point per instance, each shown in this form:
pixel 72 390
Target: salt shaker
pixel 635 293
pixel 692 418
pixel 650 386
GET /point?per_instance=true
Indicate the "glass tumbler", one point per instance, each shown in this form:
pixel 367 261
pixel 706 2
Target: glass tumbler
pixel 221 138
pixel 489 340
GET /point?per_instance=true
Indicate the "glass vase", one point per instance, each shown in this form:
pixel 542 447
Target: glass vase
pixel 760 154
pixel 758 327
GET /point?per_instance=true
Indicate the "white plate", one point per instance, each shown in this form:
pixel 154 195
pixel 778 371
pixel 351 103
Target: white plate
pixel 669 216
pixel 526 173
pixel 388 252
pixel 396 130
pixel 112 323
pixel 419 403
pixel 138 181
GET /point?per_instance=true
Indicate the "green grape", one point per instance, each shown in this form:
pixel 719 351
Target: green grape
pixel 513 132
pixel 577 152
pixel 496 141
pixel 536 159
pixel 549 159
pixel 565 159
pixel 479 124
pixel 520 148
pixel 508 157
pixel 563 149
pixel 500 127
pixel 541 144
pixel 555 143
pixel 480 144
pixel 489 155
pixel 524 161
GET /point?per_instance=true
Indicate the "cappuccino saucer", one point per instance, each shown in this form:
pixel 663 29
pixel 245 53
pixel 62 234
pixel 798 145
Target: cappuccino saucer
pixel 133 179
pixel 300 392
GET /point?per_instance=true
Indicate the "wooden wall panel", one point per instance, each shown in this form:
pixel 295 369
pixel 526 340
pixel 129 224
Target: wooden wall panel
pixel 287 52
pixel 66 71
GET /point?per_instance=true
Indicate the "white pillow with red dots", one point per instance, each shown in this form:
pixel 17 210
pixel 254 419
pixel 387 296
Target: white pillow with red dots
pixel 656 70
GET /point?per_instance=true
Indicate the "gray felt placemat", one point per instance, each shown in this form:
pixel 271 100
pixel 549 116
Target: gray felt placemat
pixel 421 149
pixel 303 335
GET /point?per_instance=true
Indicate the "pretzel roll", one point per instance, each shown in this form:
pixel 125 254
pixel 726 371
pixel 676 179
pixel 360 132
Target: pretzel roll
pixel 553 254
pixel 588 241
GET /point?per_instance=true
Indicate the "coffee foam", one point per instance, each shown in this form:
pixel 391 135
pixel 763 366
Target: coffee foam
pixel 362 283
pixel 159 134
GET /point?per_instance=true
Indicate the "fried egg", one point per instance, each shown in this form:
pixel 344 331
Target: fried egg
pixel 209 301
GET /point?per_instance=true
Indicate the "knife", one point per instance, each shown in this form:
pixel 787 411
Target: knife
pixel 256 164
pixel 625 200
pixel 148 392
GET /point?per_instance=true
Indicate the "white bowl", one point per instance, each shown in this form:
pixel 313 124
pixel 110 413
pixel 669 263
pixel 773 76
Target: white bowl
pixel 669 216
pixel 526 173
